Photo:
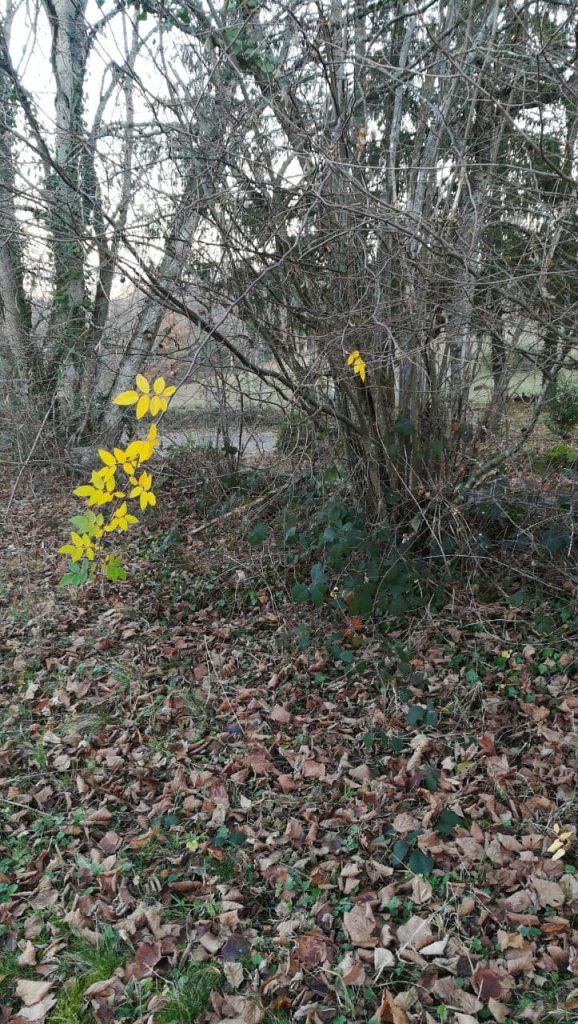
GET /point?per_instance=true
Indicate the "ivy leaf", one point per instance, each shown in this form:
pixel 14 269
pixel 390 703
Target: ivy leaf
pixel 415 714
pixel 420 863
pixel 318 573
pixel 447 821
pixel 300 593
pixel 399 852
pixel 258 534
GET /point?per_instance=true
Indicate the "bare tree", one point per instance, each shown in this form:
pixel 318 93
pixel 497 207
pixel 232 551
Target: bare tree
pixel 313 180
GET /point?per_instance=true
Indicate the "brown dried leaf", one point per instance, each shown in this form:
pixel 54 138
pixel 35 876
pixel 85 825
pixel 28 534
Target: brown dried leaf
pixel 498 1011
pixel 38 1012
pixel 487 984
pixel 312 769
pixel 352 971
pixel 27 957
pixel 233 972
pixel 389 1012
pixel 31 992
pixel 415 933
pixel 456 998
pixel 550 894
pixel 360 925
pixel 311 949
pixel 421 890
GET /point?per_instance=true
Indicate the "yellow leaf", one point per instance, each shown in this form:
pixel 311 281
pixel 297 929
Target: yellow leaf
pixel 107 457
pixel 556 845
pixel 156 404
pixel 169 391
pixel 559 853
pixel 159 385
pixel 126 398
pixel 352 358
pixel 142 383
pixel 142 406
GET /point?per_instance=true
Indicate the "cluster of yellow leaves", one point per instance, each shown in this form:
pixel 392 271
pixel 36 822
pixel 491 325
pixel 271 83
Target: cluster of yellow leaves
pixel 105 488
pixel 561 843
pixel 145 401
pixel 356 361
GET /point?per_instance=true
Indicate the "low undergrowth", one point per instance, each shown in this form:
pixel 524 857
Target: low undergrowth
pixel 225 799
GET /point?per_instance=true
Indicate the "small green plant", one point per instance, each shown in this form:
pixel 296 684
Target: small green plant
pixel 562 414
pixel 561 456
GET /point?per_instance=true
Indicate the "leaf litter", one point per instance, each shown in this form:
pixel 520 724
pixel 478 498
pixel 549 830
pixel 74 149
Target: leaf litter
pixel 191 799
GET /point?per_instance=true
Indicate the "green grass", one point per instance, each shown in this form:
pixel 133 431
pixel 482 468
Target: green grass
pixel 189 995
pixel 9 972
pixel 87 964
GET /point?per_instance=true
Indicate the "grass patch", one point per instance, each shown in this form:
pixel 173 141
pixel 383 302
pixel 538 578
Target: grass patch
pixel 9 972
pixel 90 964
pixel 189 995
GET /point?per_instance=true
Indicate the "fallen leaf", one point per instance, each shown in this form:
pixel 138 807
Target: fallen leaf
pixel 434 948
pixel 32 991
pixel 456 998
pixel 351 970
pixel 389 1012
pixel 313 769
pixel 27 957
pixel 280 715
pixel 498 1011
pixel 38 1012
pixel 311 949
pixel 421 890
pixel 415 933
pixel 569 886
pixel 233 972
pixel 487 984
pixel 404 822
pixel 235 948
pixel 550 894
pixel 360 924
pixel 382 959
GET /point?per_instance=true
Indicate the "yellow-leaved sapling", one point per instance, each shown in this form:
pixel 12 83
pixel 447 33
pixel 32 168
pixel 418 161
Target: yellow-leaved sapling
pixel 87 548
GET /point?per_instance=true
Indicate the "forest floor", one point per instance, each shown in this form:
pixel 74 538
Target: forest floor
pixel 219 806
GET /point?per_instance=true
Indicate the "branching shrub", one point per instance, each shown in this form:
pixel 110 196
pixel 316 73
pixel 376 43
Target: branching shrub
pixel 563 408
